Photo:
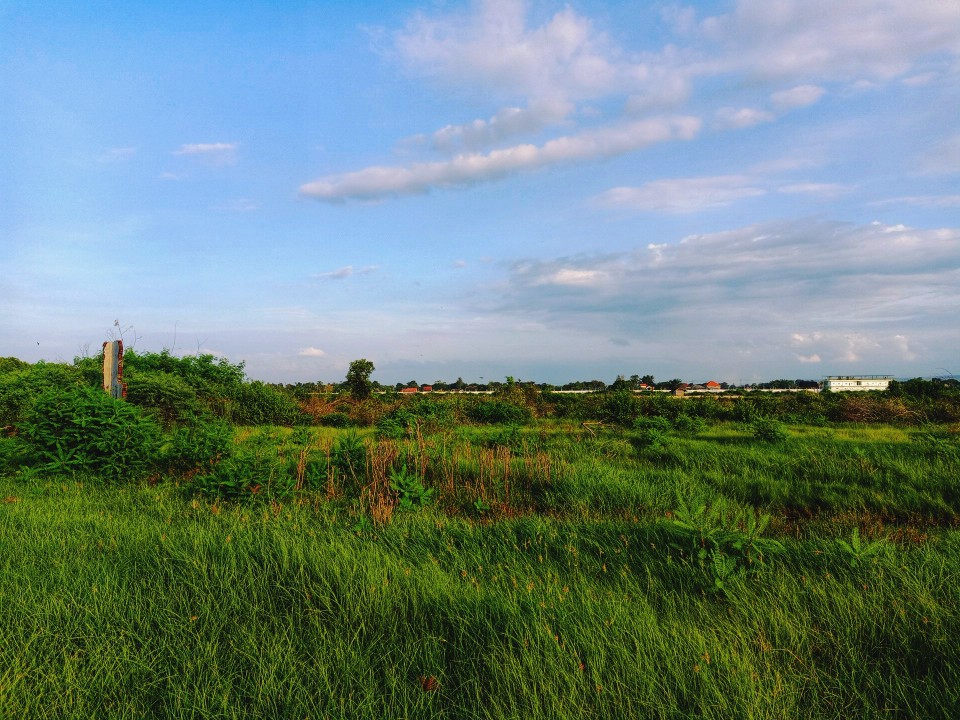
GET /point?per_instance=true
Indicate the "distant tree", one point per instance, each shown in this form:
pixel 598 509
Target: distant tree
pixel 358 378
pixel 647 380
pixel 619 384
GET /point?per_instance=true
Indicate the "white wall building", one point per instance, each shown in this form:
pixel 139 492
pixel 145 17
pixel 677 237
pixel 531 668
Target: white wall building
pixel 853 383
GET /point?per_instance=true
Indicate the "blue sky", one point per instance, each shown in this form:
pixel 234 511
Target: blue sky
pixel 738 190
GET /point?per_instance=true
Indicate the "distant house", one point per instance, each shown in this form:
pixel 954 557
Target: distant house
pixel 427 388
pixel 856 383
pixel 713 385
pixel 408 390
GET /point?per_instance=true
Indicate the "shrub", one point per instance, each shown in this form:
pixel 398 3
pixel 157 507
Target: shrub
pixel 499 411
pixel 21 387
pixel 253 470
pixel 768 430
pixel 661 424
pixel 256 403
pixel 620 408
pixel 86 430
pixel 169 397
pixel 689 424
pixel 336 420
pixel 348 456
pixel 198 445
pixel 14 454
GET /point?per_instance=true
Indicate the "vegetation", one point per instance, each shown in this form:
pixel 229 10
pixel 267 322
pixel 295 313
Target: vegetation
pixel 523 554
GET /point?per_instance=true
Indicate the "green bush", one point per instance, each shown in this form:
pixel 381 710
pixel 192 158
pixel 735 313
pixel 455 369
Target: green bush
pixel 256 403
pixel 620 408
pixel 768 430
pixel 253 470
pixel 499 412
pixel 14 454
pixel 198 445
pixel 169 397
pixel 689 424
pixel 84 430
pixel 20 387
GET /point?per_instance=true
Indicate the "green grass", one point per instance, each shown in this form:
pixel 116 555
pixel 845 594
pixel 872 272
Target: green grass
pixel 574 597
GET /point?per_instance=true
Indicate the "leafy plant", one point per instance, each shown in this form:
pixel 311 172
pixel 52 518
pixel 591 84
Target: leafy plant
pixel 481 507
pixel 254 469
pixel 84 430
pixel 349 456
pixel 652 433
pixel 725 541
pixel 858 550
pixel 411 492
pixel 198 445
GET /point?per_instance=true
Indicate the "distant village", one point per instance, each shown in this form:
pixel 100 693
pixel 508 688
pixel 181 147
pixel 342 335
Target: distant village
pixel 637 384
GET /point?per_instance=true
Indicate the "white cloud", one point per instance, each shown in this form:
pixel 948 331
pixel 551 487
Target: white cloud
pixel 493 49
pixel 824 190
pixel 797 97
pixel 858 292
pixel 312 352
pixel 737 119
pixel 682 195
pixel 507 123
pixel 346 271
pixel 573 277
pixel 850 40
pixel 930 201
pixel 467 169
pixel 218 153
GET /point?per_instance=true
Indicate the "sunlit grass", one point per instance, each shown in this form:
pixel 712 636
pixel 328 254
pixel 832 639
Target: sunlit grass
pixel 573 599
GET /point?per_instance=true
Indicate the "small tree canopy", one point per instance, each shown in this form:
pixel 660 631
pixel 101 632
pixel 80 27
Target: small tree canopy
pixel 358 378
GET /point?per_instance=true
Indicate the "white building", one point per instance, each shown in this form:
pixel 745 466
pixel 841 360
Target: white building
pixel 853 383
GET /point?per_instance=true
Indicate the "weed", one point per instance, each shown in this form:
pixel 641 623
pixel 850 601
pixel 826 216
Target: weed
pixel 411 492
pixel 724 540
pixel 857 550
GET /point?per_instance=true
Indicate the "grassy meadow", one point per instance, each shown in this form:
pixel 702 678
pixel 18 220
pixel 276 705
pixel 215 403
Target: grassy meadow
pixel 551 569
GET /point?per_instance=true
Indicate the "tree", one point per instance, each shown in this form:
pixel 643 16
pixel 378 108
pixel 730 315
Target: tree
pixel 358 378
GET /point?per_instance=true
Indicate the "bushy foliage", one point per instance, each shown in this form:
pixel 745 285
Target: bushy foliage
pixel 336 420
pixel 167 396
pixel 689 424
pixel 348 457
pixel 197 445
pixel 620 408
pixel 256 403
pixel 499 411
pixel 426 413
pixel 84 430
pixel 253 469
pixel 23 384
pixel 768 429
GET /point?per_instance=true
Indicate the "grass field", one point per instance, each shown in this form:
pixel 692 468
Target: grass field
pixel 561 571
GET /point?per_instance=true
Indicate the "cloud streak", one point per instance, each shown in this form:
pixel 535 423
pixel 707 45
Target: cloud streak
pixel 684 195
pixel 375 183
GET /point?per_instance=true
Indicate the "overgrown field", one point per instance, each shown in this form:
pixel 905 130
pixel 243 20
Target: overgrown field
pixel 509 557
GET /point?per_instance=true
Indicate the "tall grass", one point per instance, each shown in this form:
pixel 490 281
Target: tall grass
pixel 135 603
pixel 576 595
